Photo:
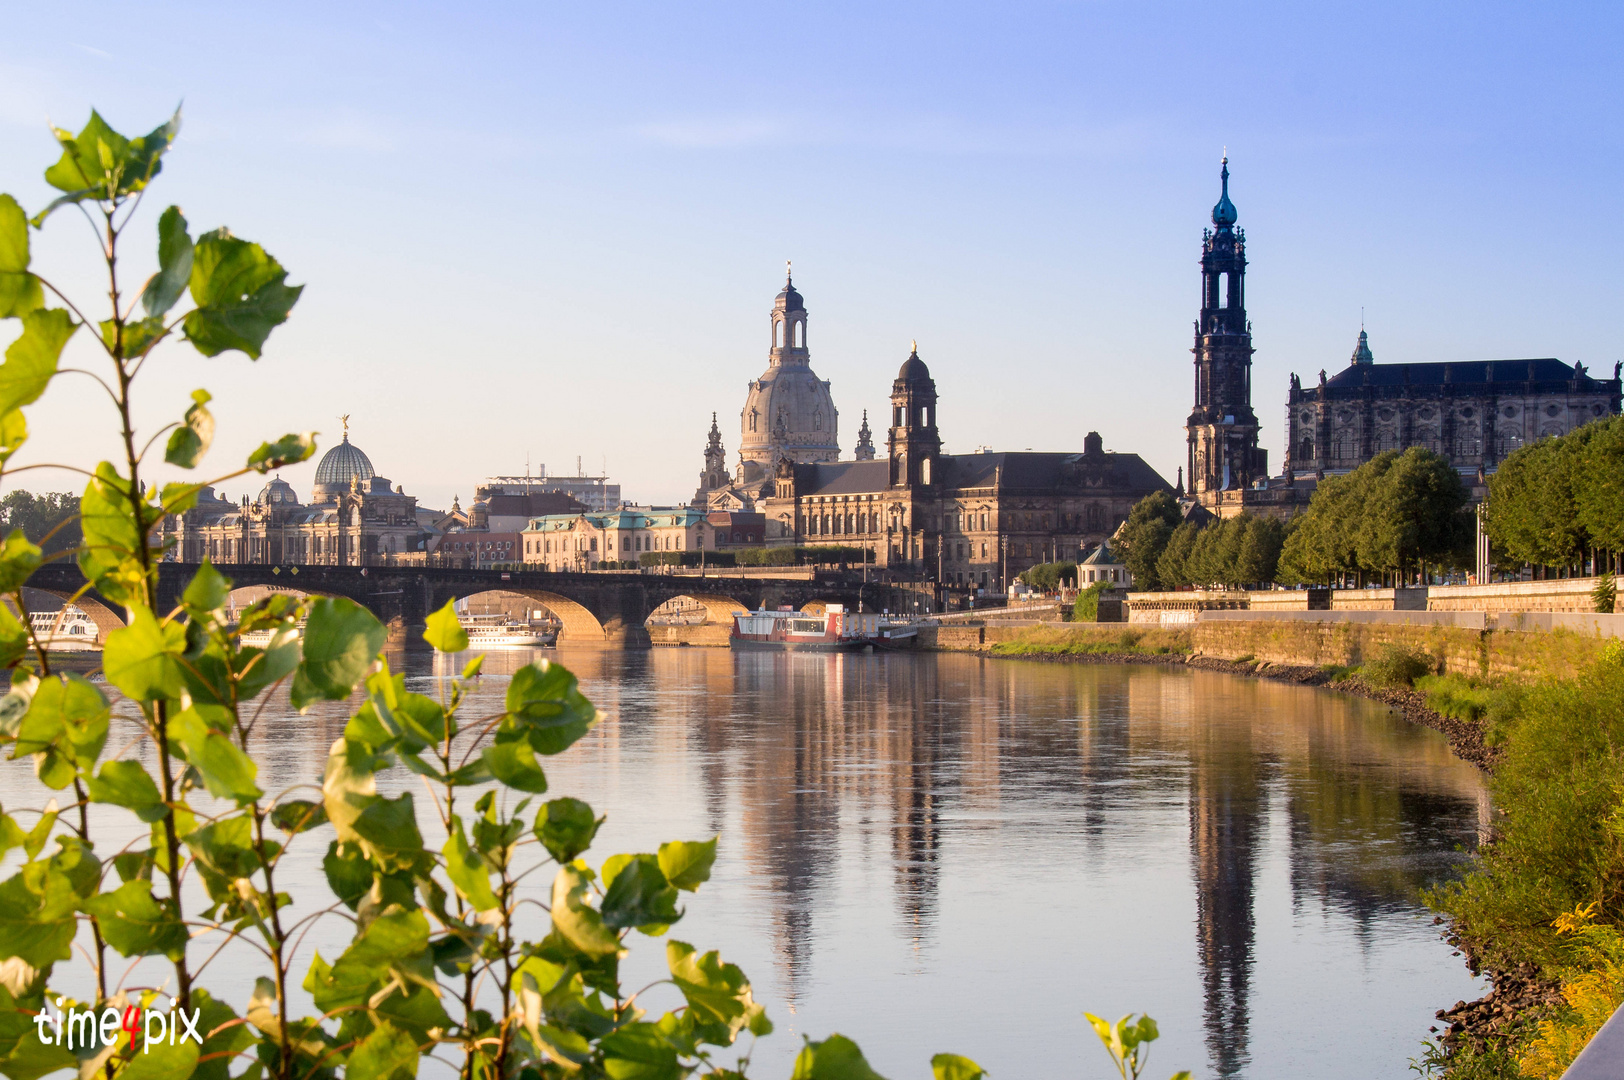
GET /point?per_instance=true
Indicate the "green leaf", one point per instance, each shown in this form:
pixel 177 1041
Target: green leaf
pixel 445 631
pixel 639 895
pixel 69 710
pixel 22 1055
pixel 640 1051
pixel 298 815
pixel 687 864
pixel 389 827
pixel 31 359
pixel 954 1067
pixel 576 921
pixel 340 641
pixel 226 847
pixel 192 439
pixel 566 827
pixel 19 558
pixel 386 1054
pixel 126 784
pixel 514 763
pixel 288 450
pixel 174 264
pixel 143 658
pixel 545 702
pixel 241 294
pixel 20 291
pixel 13 433
pixel 466 869
pixel 109 555
pixel 207 591
pixel 225 1041
pixel 37 915
pixel 720 1003
pixel 34 842
pixel 835 1058
pixel 136 924
pixel 227 772
pixel 131 339
pixel 349 874
pixel 162 1061
pixel 99 163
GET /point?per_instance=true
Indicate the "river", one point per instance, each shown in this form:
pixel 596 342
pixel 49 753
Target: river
pixel 945 852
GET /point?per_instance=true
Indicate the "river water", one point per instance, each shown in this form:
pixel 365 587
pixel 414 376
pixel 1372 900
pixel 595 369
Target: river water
pixel 946 852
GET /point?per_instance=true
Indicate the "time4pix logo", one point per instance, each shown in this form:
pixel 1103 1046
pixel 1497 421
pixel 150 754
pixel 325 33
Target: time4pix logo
pixel 86 1029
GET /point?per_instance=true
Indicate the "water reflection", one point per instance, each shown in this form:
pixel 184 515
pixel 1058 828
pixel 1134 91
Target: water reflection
pixel 934 853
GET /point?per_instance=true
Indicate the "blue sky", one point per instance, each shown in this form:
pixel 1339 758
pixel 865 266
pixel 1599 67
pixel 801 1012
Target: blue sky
pixel 557 229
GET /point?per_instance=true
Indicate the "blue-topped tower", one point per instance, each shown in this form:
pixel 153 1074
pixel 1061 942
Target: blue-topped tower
pixel 1222 429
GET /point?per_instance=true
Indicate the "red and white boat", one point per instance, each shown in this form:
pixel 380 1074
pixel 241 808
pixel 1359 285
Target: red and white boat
pixel 786 630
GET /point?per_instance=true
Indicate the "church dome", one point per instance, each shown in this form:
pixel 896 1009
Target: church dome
pixel 278 493
pixel 788 299
pixel 913 369
pixel 789 411
pixel 339 466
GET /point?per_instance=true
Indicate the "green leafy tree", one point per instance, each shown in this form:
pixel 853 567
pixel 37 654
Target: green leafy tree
pixel 1143 537
pixel 50 520
pixel 1173 565
pixel 447 958
pixel 1598 489
pixel 1532 514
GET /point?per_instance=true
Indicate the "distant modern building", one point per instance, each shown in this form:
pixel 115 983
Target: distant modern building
pixel 595 493
pixel 353 518
pixel 1474 413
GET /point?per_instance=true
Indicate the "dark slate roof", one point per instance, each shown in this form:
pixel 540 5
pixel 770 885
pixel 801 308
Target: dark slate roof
pixel 1021 471
pixel 1459 372
pixel 843 478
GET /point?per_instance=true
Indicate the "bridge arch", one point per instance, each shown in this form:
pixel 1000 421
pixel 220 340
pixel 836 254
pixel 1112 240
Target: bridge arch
pixel 718 608
pixel 106 619
pixel 578 622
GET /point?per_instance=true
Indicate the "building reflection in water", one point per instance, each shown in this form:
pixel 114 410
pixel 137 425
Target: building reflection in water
pixel 906 760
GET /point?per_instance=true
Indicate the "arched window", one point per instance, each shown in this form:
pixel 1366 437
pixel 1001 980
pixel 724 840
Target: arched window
pixel 1386 439
pixel 1506 440
pixel 1305 450
pixel 1223 290
pixel 778 333
pixel 924 471
pixel 1468 441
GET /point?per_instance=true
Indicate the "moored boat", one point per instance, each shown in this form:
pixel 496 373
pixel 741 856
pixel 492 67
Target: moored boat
pixel 787 630
pixel 504 632
pixel 67 629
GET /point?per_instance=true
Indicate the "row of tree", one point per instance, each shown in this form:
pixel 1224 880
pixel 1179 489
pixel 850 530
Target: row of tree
pixel 1553 502
pixel 1049 576
pixel 1387 520
pixel 50 520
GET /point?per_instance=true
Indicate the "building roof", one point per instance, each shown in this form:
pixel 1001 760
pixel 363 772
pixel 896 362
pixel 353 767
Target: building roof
pixel 913 369
pixel 677 517
pixel 1101 556
pixel 342 463
pixel 1017 471
pixel 1452 372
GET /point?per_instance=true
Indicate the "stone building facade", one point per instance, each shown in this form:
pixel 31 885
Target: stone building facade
pixel 968 520
pixel 354 518
pixel 1474 413
pixel 586 541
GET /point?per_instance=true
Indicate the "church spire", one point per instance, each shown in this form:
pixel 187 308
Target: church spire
pixel 1223 215
pixel 865 441
pixel 1361 352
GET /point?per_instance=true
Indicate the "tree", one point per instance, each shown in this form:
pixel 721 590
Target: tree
pixel 54 515
pixel 1532 514
pixel 1599 487
pixel 1260 551
pixel 1142 538
pixel 1395 512
pixel 1173 567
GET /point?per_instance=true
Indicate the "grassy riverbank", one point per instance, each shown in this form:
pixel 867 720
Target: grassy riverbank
pixel 1541 912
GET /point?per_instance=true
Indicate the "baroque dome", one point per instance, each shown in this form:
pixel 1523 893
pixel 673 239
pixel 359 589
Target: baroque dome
pixel 278 493
pixel 339 466
pixel 913 369
pixel 789 411
pixel 343 462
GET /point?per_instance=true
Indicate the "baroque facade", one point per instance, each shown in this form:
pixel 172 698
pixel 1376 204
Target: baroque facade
pixel 1474 413
pixel 967 520
pixel 354 518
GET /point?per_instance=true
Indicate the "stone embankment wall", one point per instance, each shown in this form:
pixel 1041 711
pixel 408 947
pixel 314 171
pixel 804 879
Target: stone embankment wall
pixel 712 634
pixel 1567 596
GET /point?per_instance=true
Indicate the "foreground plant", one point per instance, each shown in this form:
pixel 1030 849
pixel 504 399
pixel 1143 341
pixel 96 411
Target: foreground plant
pixel 1128 1042
pixel 456 953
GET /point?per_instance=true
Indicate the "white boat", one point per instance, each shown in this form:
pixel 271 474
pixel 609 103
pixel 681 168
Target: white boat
pixel 68 629
pixel 504 632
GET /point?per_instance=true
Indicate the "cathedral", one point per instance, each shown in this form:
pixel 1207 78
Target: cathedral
pixel 1472 412
pixel 967 521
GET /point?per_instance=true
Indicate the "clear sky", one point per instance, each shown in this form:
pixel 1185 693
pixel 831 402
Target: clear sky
pixel 557 229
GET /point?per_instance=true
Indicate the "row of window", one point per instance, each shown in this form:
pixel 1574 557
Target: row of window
pixel 1091 520
pixel 1467 443
pixel 590 543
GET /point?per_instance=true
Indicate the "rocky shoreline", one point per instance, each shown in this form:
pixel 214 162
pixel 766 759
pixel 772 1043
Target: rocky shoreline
pixel 1517 998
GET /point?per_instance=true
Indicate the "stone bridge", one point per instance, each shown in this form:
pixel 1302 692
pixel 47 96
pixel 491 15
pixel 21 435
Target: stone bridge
pixel 602 607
